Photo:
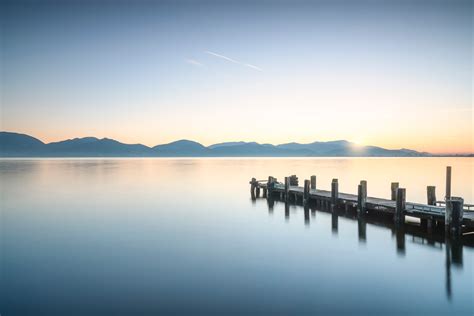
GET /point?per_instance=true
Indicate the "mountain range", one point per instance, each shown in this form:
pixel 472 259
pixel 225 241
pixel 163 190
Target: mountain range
pixel 21 145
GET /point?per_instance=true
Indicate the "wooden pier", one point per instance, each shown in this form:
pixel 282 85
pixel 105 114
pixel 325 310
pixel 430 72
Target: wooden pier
pixel 453 213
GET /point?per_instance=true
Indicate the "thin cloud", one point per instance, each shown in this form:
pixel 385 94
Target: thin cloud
pixel 234 61
pixel 253 67
pixel 194 62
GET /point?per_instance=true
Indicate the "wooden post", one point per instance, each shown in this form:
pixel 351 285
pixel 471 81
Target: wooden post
pixel 313 182
pixel 270 204
pixel 362 196
pixel 294 180
pixel 287 188
pixel 334 191
pixel 257 189
pixel 306 191
pixel 253 183
pixel 454 214
pixel 363 183
pixel 448 182
pixel 394 188
pixel 361 199
pixel 400 206
pixel 264 192
pixel 431 194
pixel 270 185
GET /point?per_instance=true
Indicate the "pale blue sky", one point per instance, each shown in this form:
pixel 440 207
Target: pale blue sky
pixel 153 72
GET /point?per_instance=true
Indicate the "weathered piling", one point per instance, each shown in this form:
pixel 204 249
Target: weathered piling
pixel 453 216
pixel 253 185
pixel 294 180
pixel 334 191
pixel 431 195
pixel 306 192
pixel 427 223
pixel 400 206
pixel 360 200
pixel 362 196
pixel 448 182
pixel 265 192
pixel 287 188
pixel 394 188
pixel 270 185
pixel 363 183
pixel 313 182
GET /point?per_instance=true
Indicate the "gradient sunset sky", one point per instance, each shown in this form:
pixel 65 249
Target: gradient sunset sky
pixel 393 74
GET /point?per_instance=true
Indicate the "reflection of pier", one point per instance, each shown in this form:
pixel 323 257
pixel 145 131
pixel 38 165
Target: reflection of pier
pixel 413 232
pixel 410 232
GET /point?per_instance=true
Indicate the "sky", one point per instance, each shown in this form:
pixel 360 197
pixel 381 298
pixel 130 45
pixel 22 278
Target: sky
pixel 396 74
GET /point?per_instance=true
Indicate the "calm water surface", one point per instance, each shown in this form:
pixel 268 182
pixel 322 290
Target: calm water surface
pixel 144 236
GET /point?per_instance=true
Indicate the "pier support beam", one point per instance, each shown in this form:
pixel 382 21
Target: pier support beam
pixel 270 185
pixel 448 182
pixel 431 195
pixel 287 188
pixel 334 191
pixel 431 200
pixel 313 182
pixel 363 183
pixel 253 186
pixel 306 192
pixel 400 206
pixel 362 196
pixel 453 216
pixel 394 187
pixel 294 180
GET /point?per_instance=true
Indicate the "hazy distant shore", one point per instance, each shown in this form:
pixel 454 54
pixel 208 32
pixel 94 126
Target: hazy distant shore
pixel 21 145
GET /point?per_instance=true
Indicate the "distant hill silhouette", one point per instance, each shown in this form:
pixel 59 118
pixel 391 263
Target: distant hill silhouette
pixel 182 147
pixel 21 145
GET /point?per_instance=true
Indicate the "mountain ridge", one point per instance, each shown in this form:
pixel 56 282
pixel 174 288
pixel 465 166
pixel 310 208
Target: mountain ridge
pixel 22 145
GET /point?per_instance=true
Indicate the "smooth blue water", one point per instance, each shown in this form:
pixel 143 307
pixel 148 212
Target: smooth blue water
pixel 182 236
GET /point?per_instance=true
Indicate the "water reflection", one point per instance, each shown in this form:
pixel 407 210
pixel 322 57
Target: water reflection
pixel 306 215
pixel 426 234
pixel 161 236
pixel 362 228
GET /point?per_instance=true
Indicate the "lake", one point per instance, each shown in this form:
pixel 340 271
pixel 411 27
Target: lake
pixel 183 236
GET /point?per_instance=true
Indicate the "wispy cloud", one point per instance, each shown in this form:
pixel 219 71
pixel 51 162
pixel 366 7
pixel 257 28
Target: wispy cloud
pixel 194 62
pixel 233 60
